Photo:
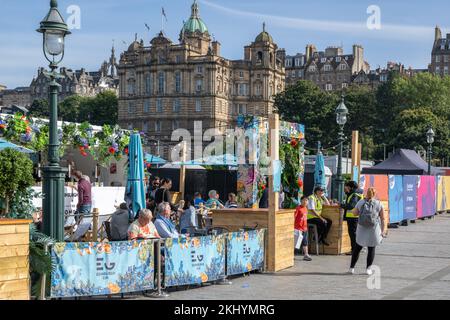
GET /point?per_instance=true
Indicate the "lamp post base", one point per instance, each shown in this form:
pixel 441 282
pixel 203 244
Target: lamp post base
pixel 53 202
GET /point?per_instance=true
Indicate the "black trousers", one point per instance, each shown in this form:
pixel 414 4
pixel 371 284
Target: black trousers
pixel 352 223
pixel 322 228
pixel 355 255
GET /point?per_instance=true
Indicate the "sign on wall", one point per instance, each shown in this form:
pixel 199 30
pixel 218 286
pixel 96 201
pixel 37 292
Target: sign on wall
pixel 395 199
pixel 410 197
pixel 426 196
pixel 194 260
pixel 89 269
pixel 245 251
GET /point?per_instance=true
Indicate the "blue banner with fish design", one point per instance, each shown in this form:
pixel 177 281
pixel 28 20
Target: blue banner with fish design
pixel 245 251
pixel 90 269
pixel 194 260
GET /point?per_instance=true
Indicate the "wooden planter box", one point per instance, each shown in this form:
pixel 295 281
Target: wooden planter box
pixel 279 237
pixel 14 259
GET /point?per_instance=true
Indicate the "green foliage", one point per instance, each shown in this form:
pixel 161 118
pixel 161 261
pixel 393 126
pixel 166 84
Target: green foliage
pixel 290 158
pixel 16 174
pixel 39 109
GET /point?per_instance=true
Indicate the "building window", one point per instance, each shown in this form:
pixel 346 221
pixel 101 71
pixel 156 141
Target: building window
pixel 158 125
pixel 199 69
pixel 338 59
pixel 161 82
pixel 323 60
pixel 131 88
pixel 327 67
pixel 344 85
pixel 146 106
pixel 176 105
pixel 241 74
pixel 438 70
pixel 178 59
pixel 175 124
pixel 288 63
pixel 131 107
pixel 242 109
pixel 312 69
pixel 445 58
pixel 177 82
pixel 258 90
pixel 130 126
pixel 297 62
pixel 198 106
pixel 159 106
pixel 438 58
pixel 145 126
pixel 198 85
pixel 446 70
pixel 148 84
pixel 328 87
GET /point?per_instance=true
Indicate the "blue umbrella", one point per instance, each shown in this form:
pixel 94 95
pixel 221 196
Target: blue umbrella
pixel 150 158
pixel 135 191
pixel 319 172
pixel 6 144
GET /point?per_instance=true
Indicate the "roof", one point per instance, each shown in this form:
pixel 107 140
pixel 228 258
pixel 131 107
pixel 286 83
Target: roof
pixel 264 36
pixel 402 162
pixel 194 23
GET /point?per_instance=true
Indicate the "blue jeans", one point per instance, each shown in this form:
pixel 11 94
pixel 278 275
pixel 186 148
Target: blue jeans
pixel 83 209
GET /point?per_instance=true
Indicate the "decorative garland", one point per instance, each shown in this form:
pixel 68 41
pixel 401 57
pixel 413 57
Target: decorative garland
pixel 103 145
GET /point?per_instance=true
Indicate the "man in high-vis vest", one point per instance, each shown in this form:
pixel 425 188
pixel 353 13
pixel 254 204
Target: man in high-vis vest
pixel 352 195
pixel 315 204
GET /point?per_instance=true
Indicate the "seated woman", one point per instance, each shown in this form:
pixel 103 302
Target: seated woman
pixel 164 225
pixel 143 227
pixel 231 203
pixel 188 219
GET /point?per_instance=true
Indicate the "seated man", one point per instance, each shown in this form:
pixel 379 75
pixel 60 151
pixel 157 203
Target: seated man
pixel 198 199
pixel 143 228
pixel 120 222
pixel 315 204
pixel 164 225
pixel 213 202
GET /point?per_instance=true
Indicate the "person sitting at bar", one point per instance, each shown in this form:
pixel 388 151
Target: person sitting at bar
pixel 213 202
pixel 165 226
pixel 231 203
pixel 143 227
pixel 188 219
pixel 198 199
pixel 120 223
pixel 352 196
pixel 315 204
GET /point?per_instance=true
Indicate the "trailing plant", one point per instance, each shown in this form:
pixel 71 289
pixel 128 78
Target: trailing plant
pixel 290 178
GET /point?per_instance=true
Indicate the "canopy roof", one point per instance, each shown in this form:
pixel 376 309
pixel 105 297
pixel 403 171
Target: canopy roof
pixel 150 158
pixel 6 144
pixel 402 162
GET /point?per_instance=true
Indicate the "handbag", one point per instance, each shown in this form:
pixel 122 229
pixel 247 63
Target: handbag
pixel 298 238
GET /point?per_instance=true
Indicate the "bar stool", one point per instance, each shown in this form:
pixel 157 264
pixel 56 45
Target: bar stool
pixel 313 236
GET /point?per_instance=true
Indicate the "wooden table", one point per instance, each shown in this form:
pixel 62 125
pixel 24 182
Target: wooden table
pixel 14 260
pixel 279 236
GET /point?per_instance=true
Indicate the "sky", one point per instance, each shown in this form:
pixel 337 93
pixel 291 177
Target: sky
pixel 406 28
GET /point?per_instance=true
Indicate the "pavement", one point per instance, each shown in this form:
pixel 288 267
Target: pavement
pixel 414 263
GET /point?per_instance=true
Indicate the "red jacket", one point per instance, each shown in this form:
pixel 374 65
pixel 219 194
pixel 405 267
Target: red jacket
pixel 301 220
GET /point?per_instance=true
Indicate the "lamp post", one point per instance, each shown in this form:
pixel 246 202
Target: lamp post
pixel 53 29
pixel 341 120
pixel 430 140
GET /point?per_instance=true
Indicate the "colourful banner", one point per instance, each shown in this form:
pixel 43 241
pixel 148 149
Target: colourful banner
pixel 426 196
pixel 379 182
pixel 395 199
pixel 409 197
pixel 194 260
pixel 245 251
pixel 443 193
pixel 90 269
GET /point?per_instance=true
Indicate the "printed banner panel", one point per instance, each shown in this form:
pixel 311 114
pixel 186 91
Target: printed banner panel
pixel 379 182
pixel 194 260
pixel 396 198
pixel 90 269
pixel 443 193
pixel 426 196
pixel 245 251
pixel 409 197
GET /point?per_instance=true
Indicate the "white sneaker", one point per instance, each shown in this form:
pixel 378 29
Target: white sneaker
pixel 351 271
pixel 369 271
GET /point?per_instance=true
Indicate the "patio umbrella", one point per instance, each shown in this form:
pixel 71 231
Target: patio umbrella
pixel 319 172
pixel 6 144
pixel 135 191
pixel 152 159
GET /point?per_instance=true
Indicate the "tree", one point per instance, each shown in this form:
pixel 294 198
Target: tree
pixel 39 109
pixel 306 103
pixel 71 109
pixel 103 109
pixel 16 174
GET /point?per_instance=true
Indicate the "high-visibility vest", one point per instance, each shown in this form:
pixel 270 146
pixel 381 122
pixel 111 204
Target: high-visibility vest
pixel 317 205
pixel 350 213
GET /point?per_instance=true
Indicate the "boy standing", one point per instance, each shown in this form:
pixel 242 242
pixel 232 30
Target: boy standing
pixel 301 227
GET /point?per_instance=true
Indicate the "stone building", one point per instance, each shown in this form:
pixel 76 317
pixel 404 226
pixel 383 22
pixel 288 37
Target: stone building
pixel 20 96
pixel 330 69
pixel 79 82
pixel 166 85
pixel 440 54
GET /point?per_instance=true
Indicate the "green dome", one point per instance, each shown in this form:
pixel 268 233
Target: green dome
pixel 264 36
pixel 194 23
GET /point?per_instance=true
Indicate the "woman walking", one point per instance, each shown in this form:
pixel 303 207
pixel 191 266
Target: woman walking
pixel 370 230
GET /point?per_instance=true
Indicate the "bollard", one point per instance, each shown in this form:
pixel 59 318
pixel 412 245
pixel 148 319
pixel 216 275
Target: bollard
pixel 95 214
pixel 159 293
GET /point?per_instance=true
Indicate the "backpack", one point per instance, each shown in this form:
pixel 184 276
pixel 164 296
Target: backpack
pixel 368 215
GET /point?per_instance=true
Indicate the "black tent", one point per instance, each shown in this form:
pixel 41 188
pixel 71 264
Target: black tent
pixel 402 162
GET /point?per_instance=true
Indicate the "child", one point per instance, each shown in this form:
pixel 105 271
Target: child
pixel 301 226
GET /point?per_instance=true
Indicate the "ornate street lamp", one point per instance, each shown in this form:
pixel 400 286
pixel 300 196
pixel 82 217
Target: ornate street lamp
pixel 54 30
pixel 430 140
pixel 341 120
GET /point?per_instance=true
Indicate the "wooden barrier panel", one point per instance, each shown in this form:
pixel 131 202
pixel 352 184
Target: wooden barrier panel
pixel 14 261
pixel 338 237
